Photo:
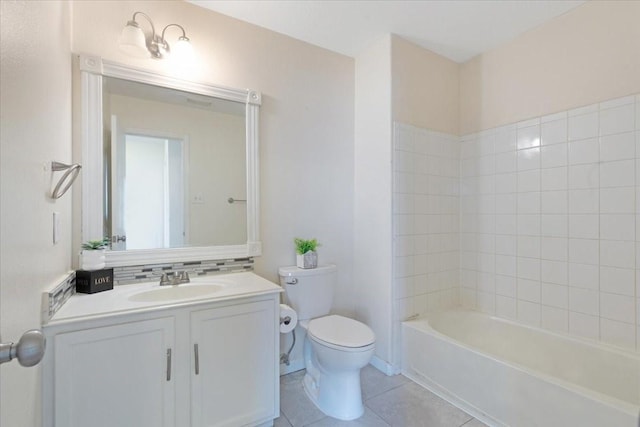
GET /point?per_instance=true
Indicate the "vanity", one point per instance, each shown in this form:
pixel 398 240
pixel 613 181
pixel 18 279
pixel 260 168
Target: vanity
pixel 144 355
pixel 198 354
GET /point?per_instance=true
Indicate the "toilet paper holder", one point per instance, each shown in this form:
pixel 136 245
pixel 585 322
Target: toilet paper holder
pixel 286 320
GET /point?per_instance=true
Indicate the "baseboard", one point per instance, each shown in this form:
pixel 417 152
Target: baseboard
pixel 294 365
pixel 384 367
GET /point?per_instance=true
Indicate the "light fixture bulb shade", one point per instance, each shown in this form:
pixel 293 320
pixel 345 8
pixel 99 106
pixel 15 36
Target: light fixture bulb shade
pixel 133 42
pixel 182 51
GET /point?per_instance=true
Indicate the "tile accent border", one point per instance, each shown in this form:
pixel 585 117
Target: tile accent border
pixel 54 299
pixel 143 273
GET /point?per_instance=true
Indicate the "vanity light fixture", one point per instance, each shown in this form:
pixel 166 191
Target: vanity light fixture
pixel 134 42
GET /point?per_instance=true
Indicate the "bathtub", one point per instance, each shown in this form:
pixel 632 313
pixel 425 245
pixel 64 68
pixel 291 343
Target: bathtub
pixel 507 374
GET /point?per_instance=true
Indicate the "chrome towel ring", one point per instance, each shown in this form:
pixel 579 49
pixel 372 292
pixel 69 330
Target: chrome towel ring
pixel 67 179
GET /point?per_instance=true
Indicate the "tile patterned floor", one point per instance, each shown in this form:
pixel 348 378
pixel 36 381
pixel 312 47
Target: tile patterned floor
pixel 389 402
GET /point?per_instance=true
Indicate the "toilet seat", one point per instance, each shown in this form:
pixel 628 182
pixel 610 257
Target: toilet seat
pixel 341 333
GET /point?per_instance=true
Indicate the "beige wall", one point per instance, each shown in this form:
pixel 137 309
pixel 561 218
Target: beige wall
pixel 306 120
pixel 588 55
pixel 372 199
pixel 425 87
pixel 35 88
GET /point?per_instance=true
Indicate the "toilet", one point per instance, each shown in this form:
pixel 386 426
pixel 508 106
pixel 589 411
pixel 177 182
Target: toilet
pixel 335 347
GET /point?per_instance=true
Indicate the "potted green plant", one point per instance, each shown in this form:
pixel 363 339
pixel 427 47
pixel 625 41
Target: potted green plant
pixel 92 255
pixel 306 255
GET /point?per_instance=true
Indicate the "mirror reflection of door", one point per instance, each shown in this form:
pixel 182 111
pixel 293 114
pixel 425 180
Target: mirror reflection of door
pixel 150 173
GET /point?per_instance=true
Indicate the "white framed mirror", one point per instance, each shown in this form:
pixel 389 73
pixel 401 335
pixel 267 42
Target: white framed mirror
pixel 170 167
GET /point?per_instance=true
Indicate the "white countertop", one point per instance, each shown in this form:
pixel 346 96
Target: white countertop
pixel 117 301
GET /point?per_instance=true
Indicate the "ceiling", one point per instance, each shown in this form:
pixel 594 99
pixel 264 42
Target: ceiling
pixel 458 30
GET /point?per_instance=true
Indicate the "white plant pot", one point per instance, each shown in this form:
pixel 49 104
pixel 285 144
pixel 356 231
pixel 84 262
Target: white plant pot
pixel 308 260
pixel 92 260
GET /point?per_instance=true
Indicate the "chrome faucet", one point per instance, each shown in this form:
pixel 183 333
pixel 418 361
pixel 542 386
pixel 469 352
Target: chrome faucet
pixel 173 279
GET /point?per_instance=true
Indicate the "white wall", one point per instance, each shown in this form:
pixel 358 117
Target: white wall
pixel 372 199
pixel 35 89
pixel 306 120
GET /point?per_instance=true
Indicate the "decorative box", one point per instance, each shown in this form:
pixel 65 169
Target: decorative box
pixel 90 282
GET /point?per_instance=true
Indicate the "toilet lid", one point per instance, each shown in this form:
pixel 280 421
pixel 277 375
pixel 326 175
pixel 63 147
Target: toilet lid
pixel 341 331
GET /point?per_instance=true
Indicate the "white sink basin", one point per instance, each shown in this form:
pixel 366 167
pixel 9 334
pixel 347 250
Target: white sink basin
pixel 179 292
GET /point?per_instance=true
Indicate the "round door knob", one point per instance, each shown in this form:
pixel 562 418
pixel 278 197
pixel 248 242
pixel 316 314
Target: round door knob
pixel 30 349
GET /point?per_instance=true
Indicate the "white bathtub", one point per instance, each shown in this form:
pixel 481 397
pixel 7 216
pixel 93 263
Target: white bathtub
pixel 506 374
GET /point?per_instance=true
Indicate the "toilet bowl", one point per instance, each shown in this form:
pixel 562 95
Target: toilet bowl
pixel 335 347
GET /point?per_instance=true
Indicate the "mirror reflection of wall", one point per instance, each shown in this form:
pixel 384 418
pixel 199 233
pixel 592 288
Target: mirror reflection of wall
pixel 172 161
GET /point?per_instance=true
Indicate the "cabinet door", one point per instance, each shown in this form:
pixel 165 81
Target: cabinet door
pixel 234 380
pixel 116 376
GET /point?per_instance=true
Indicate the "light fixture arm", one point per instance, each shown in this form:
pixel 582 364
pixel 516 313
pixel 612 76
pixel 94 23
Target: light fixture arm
pixel 153 42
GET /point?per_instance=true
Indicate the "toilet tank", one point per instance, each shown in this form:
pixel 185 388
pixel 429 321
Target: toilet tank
pixel 309 291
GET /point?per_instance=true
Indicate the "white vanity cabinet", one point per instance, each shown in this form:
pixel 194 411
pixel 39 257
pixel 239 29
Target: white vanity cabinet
pixel 201 365
pixel 115 375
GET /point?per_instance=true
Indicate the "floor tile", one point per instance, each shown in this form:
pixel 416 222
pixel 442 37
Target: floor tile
pixel 374 382
pixel 475 423
pixel 294 403
pixel 281 422
pixel 368 419
pixel 411 405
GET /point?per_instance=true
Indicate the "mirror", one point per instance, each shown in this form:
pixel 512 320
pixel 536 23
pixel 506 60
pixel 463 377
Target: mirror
pixel 170 167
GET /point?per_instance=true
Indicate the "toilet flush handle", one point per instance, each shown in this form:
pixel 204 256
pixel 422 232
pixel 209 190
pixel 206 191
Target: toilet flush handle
pixel 291 281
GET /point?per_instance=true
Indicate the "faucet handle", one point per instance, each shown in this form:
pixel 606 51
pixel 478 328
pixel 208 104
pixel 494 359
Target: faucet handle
pixel 164 280
pixel 184 277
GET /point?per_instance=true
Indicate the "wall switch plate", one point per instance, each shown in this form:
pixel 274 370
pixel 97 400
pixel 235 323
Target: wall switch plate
pixel 56 227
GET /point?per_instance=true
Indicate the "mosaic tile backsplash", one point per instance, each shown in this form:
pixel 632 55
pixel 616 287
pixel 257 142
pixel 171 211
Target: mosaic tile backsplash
pixel 143 273
pixel 54 299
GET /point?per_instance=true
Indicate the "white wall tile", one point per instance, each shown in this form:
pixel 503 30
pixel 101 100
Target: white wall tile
pixel 584 151
pixel 617 280
pixel 617 200
pixel 618 307
pixel 529 203
pixel 555 295
pixel 618 333
pixel 584 325
pixel 617 102
pixel 584 226
pixel 555 319
pixel 617 147
pixel 617 120
pixel 584 251
pixel 507 162
pixel 505 265
pixel 529 268
pixel 506 183
pixel 529 180
pixel 554 179
pixel 528 225
pixel 506 244
pixel 528 159
pixel 506 224
pixel 553 132
pixel 506 203
pixel 583 126
pixel 617 226
pixel 615 253
pixel 529 313
pixel 584 176
pixel 554 202
pixel 529 246
pixel 505 139
pixel 528 137
pixel 506 307
pixel 554 272
pixel 584 301
pixel 583 110
pixel 554 225
pixel 583 276
pixel 554 248
pixel 554 156
pixel 617 174
pixel 506 286
pixel 584 201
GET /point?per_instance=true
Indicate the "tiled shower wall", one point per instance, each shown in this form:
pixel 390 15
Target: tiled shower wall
pixel 550 222
pixel 537 221
pixel 426 220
